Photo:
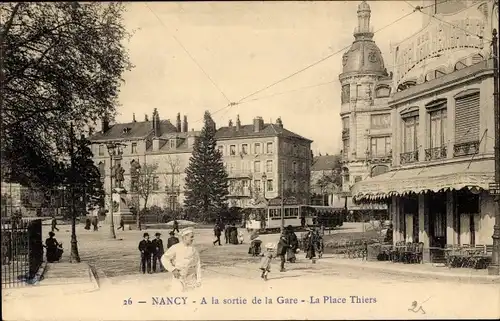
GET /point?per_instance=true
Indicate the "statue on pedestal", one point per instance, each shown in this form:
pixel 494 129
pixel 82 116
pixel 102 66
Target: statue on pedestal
pixel 118 172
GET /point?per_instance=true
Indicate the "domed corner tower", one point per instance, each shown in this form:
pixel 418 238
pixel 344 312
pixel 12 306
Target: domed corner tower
pixel 366 87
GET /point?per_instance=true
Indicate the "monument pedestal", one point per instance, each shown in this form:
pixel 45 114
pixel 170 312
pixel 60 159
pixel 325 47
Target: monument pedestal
pixel 120 207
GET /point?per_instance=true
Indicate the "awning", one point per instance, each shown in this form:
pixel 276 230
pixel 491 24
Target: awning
pixel 471 174
pixel 337 200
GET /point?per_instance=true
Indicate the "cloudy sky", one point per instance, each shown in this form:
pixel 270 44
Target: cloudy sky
pixel 244 47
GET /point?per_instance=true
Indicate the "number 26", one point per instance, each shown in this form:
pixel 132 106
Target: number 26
pixel 127 302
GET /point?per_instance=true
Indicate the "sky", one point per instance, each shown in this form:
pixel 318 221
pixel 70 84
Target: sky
pixel 244 47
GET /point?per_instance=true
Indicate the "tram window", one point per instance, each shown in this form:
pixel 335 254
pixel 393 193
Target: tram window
pixel 287 212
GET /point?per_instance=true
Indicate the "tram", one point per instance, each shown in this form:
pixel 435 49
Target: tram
pixel 298 216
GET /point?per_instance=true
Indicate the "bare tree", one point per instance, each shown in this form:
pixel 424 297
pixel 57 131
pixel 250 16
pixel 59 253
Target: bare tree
pixel 173 171
pixel 146 185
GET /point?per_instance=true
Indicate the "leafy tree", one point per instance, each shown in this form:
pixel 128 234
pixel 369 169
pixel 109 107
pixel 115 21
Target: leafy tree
pixel 61 63
pixel 206 187
pixel 145 184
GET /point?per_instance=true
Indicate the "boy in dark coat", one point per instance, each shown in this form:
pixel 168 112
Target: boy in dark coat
pixel 157 245
pixel 172 240
pixel 146 249
pixel 281 251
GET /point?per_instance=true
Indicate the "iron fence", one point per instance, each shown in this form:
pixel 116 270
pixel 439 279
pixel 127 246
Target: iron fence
pixel 21 251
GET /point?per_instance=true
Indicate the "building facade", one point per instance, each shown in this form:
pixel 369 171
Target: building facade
pixel 155 142
pixel 366 118
pixel 263 160
pixel 326 179
pixel 442 131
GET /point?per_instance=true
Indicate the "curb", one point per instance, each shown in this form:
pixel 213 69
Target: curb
pixel 426 274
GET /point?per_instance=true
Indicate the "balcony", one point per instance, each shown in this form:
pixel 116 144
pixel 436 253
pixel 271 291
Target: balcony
pixel 345 133
pixel 435 153
pixel 240 174
pixel 464 149
pixel 408 157
pixel 239 192
pixel 176 189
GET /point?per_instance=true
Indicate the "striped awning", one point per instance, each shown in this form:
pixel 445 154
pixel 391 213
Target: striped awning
pixel 454 176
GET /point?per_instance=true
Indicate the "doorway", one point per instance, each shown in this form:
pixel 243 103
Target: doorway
pixel 437 219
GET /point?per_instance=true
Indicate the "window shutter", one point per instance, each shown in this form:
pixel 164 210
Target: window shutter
pixel 467 119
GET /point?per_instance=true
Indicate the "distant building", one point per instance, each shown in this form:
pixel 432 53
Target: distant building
pixel 152 141
pixel 259 156
pixel 365 113
pixel 253 155
pixel 322 190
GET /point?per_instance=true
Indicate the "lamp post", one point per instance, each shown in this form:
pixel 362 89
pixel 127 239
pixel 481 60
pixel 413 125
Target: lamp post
pixel 264 178
pixel 75 257
pixel 494 268
pixel 113 150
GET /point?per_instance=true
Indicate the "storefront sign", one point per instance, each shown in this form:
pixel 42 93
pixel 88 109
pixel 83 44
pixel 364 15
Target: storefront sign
pixel 494 188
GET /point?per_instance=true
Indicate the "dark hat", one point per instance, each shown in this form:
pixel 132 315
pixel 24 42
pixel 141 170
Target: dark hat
pixel 145 234
pixel 51 234
pixel 157 234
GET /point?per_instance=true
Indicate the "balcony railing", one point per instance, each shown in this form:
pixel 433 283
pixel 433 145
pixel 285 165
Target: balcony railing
pixel 172 189
pixel 409 157
pixel 239 174
pixel 464 149
pixel 435 153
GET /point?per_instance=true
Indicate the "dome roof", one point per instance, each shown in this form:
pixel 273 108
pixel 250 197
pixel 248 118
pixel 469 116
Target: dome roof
pixel 363 56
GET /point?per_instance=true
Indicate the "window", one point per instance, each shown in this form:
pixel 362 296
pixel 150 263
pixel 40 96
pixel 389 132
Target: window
pixel 410 133
pixel 257 148
pixel 294 167
pixel 101 150
pixel 358 91
pixel 383 91
pixel 346 94
pixel 257 185
pixel 380 121
pixel 221 150
pixel 245 183
pixel 380 146
pixel 232 150
pixel 467 123
pixel 173 202
pixel 269 166
pixel 345 123
pixel 155 184
pixel 173 143
pixel 134 148
pixel 244 149
pixel 437 132
pixel 294 186
pixel 269 148
pixel 270 186
pixel 345 149
pixel 102 170
pixel 256 166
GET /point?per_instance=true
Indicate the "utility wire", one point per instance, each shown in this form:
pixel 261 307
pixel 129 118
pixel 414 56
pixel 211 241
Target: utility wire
pixel 190 56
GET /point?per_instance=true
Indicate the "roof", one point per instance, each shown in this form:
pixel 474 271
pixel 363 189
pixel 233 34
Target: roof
pixel 324 163
pixel 247 131
pixel 137 130
pixel 477 174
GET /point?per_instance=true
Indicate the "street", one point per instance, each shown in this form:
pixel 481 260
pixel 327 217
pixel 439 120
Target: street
pixel 326 289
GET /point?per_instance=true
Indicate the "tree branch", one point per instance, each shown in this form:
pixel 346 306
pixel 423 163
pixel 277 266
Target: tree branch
pixel 9 22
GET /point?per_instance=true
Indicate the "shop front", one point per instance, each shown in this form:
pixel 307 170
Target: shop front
pixel 441 206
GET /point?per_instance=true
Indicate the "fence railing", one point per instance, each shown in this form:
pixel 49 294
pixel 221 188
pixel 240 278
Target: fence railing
pixel 21 251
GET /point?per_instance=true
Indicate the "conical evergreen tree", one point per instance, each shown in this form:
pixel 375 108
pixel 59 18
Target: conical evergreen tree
pixel 206 178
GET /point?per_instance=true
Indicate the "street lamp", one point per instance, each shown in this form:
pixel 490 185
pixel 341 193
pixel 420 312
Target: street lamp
pixel 114 150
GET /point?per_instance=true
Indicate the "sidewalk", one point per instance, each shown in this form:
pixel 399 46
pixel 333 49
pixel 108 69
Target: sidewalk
pixel 423 270
pixel 59 279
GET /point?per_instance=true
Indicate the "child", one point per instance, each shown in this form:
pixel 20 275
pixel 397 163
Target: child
pixel 265 264
pixel 240 236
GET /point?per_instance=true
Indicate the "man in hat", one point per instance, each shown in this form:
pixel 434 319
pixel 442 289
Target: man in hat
pixel 146 248
pixel 158 251
pixel 282 249
pixel 172 240
pixel 183 260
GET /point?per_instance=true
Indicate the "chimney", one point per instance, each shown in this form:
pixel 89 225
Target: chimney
pixel 238 123
pixel 133 118
pixel 105 124
pixel 146 117
pixel 179 122
pixel 258 124
pixel 230 123
pixel 185 124
pixel 156 123
pixel 279 122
